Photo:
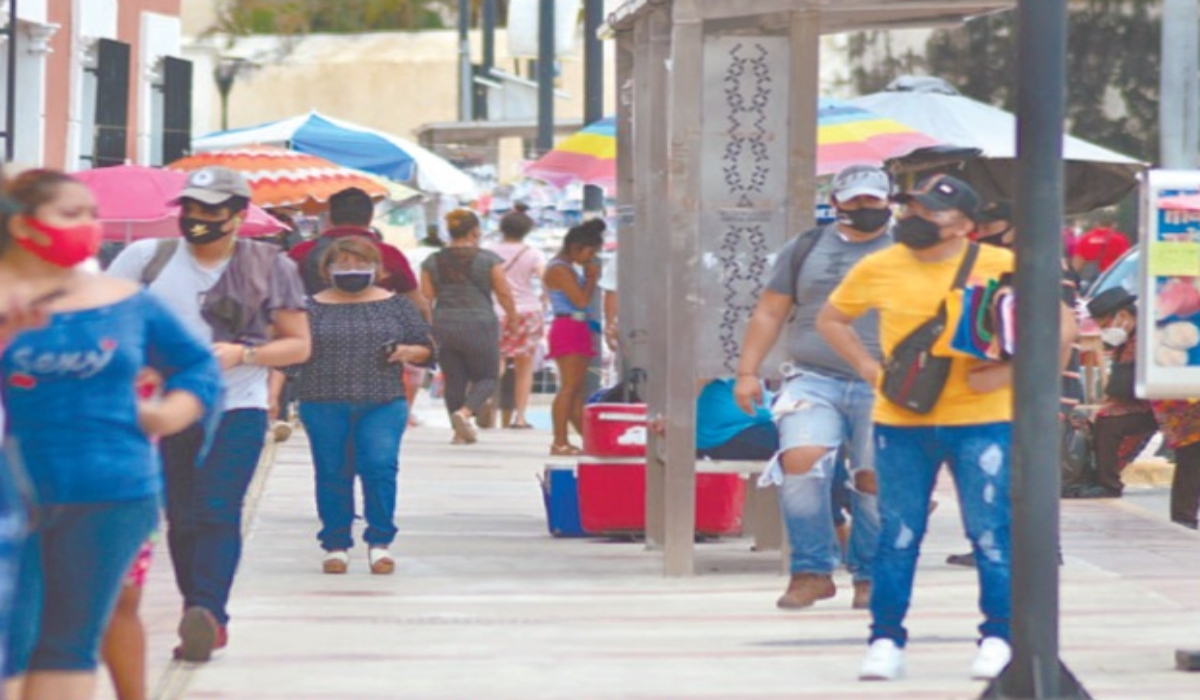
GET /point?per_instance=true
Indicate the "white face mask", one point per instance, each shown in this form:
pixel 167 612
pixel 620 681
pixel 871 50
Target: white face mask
pixel 1114 337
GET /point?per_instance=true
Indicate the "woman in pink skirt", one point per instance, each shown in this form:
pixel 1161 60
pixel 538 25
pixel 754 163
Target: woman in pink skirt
pixel 523 264
pixel 570 336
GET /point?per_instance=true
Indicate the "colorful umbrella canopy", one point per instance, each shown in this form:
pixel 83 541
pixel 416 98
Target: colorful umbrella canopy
pixel 134 203
pixel 353 146
pixel 849 135
pixel 283 178
pixel 846 135
pixel 588 156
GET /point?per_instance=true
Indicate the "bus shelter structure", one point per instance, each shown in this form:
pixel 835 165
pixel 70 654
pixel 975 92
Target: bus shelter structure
pixel 717 144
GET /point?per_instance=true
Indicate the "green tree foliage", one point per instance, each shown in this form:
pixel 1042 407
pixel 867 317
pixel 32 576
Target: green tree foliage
pixel 1113 59
pixel 335 16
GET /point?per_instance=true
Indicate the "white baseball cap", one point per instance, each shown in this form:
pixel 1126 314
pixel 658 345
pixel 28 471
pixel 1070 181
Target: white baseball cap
pixel 861 180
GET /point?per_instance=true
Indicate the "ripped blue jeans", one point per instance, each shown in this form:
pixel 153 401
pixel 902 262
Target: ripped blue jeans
pixel 815 410
pixel 907 462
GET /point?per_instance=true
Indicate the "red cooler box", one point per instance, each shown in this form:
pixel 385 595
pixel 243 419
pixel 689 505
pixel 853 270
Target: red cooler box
pixel 614 430
pixel 612 499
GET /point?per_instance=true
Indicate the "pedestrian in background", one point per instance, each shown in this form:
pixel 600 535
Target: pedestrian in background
pixel 823 404
pixel 523 268
pixel 352 399
pixel 465 283
pixel 246 298
pixel 97 493
pixel 570 291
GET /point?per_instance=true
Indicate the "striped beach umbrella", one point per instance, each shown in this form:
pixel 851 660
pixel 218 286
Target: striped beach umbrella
pixel 283 178
pixel 849 135
pixel 588 156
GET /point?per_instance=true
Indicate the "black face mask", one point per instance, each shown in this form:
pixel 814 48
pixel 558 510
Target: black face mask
pixel 352 282
pixel 200 231
pixel 917 233
pixel 865 220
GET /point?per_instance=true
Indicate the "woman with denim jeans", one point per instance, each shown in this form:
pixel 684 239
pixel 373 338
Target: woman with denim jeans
pixel 97 494
pixel 352 399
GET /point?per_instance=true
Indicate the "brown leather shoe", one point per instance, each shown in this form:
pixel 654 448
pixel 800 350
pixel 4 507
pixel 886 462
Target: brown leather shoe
pixel 805 589
pixel 862 595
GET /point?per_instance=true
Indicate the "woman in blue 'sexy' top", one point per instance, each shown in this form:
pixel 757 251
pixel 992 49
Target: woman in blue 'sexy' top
pixel 82 436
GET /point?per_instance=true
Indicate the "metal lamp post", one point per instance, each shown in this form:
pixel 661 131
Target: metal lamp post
pixel 225 74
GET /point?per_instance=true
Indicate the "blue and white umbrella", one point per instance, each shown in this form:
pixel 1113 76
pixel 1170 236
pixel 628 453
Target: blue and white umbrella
pixel 352 146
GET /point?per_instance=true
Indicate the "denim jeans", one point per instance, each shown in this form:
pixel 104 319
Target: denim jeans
pixel 908 461
pixel 351 439
pixel 204 505
pixel 815 410
pixel 12 536
pixel 72 568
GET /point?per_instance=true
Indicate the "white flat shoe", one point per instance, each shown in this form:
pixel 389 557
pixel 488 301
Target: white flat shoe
pixel 336 562
pixel 381 560
pixel 993 656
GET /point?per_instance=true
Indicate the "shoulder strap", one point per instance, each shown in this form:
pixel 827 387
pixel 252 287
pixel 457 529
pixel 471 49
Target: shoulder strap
pixel 804 247
pixel 164 250
pixel 515 258
pixel 964 269
pixel 960 278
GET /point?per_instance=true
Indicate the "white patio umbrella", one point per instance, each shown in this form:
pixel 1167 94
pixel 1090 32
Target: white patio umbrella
pixel 353 146
pixel 1095 176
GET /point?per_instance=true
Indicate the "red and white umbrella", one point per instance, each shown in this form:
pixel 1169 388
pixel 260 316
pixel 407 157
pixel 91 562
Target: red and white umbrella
pixel 283 178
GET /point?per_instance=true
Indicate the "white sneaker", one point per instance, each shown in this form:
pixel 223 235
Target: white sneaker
pixel 336 562
pixel 884 662
pixel 993 655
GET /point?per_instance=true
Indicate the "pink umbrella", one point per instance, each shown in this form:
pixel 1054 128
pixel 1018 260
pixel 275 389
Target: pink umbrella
pixel 134 203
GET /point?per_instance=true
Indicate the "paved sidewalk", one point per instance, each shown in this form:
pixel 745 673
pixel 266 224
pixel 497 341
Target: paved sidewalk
pixel 485 605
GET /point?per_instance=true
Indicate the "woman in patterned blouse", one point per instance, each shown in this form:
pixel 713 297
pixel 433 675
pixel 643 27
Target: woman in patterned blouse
pixel 352 399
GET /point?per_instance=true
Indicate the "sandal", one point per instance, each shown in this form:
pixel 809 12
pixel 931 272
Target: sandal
pixel 462 428
pixel 565 451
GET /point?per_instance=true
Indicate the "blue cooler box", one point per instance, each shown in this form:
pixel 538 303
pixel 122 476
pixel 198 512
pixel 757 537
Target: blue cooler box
pixel 561 496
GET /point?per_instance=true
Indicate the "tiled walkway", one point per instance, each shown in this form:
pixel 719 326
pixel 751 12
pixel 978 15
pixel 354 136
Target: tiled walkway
pixel 485 605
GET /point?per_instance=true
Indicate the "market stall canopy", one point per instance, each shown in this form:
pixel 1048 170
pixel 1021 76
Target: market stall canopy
pixel 352 146
pixel 135 203
pixel 283 178
pixel 588 156
pixel 850 135
pixel 846 135
pixel 1095 176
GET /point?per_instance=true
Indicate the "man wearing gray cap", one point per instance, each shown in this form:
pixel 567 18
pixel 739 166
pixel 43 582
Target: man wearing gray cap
pixel 247 299
pixel 824 404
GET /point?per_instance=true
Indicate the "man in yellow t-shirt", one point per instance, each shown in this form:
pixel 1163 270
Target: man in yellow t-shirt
pixel 969 428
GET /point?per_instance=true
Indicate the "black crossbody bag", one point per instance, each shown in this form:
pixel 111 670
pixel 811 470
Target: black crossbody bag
pixel 913 377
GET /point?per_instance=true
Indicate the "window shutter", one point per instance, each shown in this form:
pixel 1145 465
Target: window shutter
pixel 112 103
pixel 177 109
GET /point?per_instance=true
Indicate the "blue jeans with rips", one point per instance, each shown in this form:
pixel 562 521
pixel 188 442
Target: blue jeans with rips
pixel 204 505
pixel 815 410
pixel 351 439
pixel 908 460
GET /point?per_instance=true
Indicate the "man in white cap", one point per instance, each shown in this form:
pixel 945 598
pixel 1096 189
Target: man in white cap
pixel 247 299
pixel 824 405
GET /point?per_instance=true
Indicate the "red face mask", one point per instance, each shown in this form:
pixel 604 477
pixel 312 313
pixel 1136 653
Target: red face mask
pixel 68 246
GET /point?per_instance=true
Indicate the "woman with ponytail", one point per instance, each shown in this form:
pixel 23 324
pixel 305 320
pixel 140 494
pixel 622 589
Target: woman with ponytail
pixel 462 279
pixel 79 431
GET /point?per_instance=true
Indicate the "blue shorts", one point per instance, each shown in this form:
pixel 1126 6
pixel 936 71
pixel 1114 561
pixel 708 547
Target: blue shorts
pixel 71 571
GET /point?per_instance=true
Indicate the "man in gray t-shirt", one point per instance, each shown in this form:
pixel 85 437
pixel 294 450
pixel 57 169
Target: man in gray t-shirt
pixel 824 404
